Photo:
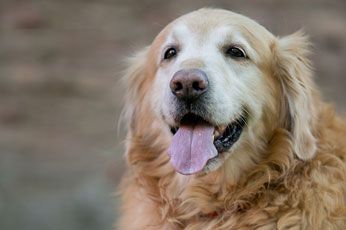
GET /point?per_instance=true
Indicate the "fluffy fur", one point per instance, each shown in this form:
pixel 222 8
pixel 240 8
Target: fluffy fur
pixel 288 170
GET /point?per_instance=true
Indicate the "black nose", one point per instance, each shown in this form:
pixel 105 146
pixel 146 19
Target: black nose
pixel 189 84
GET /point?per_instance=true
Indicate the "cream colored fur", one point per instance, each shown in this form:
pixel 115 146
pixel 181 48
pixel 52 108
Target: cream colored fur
pixel 288 169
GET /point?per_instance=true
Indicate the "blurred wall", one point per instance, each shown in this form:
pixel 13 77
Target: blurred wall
pixel 60 62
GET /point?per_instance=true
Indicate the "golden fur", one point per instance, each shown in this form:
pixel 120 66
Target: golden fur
pixel 294 177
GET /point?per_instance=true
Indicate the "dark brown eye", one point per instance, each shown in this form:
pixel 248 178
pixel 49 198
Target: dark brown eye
pixel 170 53
pixel 235 52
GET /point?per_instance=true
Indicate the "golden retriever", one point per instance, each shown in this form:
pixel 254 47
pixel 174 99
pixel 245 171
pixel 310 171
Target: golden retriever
pixel 227 131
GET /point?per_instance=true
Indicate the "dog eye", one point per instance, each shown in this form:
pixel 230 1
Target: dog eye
pixel 235 52
pixel 170 53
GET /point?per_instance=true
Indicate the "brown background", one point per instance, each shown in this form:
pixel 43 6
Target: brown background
pixel 60 61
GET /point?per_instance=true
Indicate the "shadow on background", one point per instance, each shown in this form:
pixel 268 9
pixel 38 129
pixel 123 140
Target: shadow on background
pixel 60 99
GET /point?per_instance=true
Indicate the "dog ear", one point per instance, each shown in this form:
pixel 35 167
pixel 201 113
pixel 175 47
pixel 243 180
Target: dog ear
pixel 293 69
pixel 133 80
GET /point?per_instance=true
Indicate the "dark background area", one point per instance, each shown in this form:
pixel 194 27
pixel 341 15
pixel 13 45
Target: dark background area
pixel 60 97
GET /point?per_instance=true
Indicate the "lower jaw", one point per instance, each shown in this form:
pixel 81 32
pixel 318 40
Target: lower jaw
pixel 225 159
pixel 216 162
pixel 224 151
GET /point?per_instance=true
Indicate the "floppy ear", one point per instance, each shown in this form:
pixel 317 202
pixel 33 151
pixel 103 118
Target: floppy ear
pixel 293 69
pixel 133 81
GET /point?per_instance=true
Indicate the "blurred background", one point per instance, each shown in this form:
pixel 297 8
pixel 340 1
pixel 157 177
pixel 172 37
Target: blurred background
pixel 60 98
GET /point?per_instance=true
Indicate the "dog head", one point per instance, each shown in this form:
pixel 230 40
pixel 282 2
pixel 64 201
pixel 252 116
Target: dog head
pixel 221 84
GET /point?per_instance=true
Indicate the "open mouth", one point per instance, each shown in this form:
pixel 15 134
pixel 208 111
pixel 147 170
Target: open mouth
pixel 196 141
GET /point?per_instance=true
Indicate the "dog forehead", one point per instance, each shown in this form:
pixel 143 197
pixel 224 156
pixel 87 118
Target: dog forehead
pixel 182 31
pixel 207 40
pixel 215 25
pixel 209 27
pixel 204 20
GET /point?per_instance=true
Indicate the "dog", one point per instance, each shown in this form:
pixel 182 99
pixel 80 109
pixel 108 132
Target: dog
pixel 226 130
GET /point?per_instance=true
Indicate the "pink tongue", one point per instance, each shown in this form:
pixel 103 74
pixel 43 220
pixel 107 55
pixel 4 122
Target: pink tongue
pixel 192 146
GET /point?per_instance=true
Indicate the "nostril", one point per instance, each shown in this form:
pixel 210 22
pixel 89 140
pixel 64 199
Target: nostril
pixel 199 85
pixel 196 85
pixel 178 86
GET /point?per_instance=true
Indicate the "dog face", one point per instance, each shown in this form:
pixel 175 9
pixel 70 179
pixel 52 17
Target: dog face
pixel 222 83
